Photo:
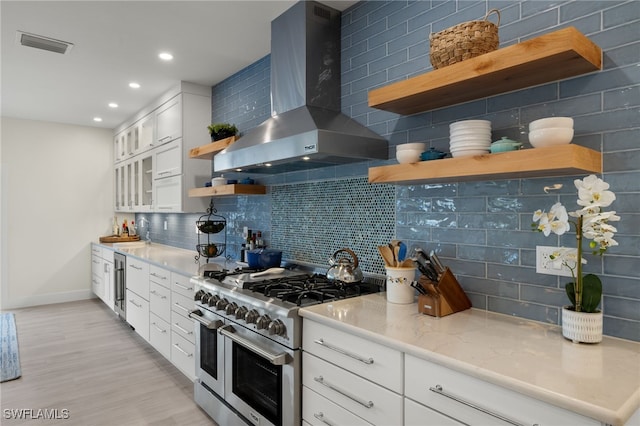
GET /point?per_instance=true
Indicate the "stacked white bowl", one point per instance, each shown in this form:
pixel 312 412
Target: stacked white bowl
pixel 551 131
pixel 469 137
pixel 409 152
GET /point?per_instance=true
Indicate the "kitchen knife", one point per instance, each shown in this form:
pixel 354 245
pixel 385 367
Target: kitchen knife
pixel 436 262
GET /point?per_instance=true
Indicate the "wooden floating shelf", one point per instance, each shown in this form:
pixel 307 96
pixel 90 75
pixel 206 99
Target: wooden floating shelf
pixel 233 189
pixel 206 152
pixel 561 160
pixel 550 57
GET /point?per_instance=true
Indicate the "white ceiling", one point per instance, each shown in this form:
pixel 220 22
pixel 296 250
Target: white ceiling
pixel 116 42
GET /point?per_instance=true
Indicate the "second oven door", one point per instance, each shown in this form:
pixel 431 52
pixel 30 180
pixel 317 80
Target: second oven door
pixel 209 350
pixel 262 377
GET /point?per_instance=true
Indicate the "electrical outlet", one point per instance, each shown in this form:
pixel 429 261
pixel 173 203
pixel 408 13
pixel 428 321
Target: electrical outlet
pixel 546 265
pixel 165 225
pixel 198 232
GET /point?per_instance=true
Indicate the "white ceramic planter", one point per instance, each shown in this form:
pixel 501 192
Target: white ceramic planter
pixel 581 327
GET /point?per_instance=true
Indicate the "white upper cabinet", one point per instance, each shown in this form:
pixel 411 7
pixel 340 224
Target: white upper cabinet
pixel 169 121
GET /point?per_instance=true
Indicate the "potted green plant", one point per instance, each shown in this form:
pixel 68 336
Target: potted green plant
pixel 582 321
pixel 222 131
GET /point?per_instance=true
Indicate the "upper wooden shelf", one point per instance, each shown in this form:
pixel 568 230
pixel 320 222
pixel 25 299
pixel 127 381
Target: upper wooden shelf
pixel 233 189
pixel 561 160
pixel 206 152
pixel 554 56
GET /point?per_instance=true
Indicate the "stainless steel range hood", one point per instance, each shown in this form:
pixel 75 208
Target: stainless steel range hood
pixel 306 129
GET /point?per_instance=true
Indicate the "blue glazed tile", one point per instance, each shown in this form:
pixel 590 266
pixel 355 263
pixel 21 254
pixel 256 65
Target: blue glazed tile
pixel 621 287
pixel 388 61
pixel 622 161
pixel 464 236
pixel 429 190
pixel 489 221
pixel 387 9
pixel 621 308
pixel 520 274
pixel 435 14
pixel 489 287
pixel 469 110
pixel 621 56
pixel 604 80
pixel 369 81
pixel 368 32
pixel 539 94
pixel 478 301
pixel 413 205
pixel 619 327
pixel 623 266
pixel 527 310
pixel 440 220
pixel 409 11
pixel 530 25
pixel 544 296
pixel 622 98
pixel 522 239
pixel 491 188
pixel 563 108
pixel 465 269
pixel 534 7
pixel 392 33
pixel 622 139
pixel 488 254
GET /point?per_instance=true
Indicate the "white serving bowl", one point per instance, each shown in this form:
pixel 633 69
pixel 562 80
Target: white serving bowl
pixel 550 136
pixel 470 123
pixel 551 122
pixel 468 152
pixel 470 132
pixel 405 156
pixel 420 146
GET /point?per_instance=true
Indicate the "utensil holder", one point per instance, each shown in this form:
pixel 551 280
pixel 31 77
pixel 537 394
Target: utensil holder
pixel 444 297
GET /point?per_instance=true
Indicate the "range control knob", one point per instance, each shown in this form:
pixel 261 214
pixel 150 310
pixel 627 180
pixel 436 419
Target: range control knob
pixel 221 304
pixel 213 299
pixel 263 322
pixel 241 312
pixel 252 316
pixel 231 308
pixel 276 327
pixel 199 295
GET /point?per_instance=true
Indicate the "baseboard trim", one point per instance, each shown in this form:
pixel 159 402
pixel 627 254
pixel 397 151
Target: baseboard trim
pixel 47 299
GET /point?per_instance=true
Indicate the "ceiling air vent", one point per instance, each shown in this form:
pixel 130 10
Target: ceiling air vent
pixel 44 43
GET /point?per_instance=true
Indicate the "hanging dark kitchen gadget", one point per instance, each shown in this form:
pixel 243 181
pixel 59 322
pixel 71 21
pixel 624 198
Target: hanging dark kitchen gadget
pixel 208 225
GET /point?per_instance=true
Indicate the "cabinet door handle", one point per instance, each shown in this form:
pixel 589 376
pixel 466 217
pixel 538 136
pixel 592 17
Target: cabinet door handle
pixel 177 305
pixel 155 293
pixel 183 287
pixel 438 389
pixel 162 277
pixel 321 342
pixel 320 416
pixel 161 330
pixel 135 304
pixel 366 404
pixel 139 268
pixel 185 331
pixel 175 345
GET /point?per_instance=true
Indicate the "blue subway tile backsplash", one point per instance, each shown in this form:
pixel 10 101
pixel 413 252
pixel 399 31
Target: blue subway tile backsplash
pixel 480 229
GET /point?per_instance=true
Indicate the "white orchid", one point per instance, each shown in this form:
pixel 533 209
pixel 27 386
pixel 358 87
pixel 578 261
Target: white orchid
pixel 592 223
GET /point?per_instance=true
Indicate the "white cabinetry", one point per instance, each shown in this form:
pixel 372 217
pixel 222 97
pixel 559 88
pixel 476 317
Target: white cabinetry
pixel 182 327
pixel 345 376
pixel 160 310
pixel 473 401
pixel 108 277
pixel 151 176
pixel 137 301
pixel 97 276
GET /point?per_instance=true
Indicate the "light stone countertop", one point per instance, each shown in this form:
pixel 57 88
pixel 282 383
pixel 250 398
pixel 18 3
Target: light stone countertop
pixel 601 381
pixel 178 260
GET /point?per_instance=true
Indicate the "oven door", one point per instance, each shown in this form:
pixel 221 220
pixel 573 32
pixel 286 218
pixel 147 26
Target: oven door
pixel 209 350
pixel 262 377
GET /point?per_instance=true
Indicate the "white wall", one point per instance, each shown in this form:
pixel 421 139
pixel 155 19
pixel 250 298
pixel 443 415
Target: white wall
pixel 56 198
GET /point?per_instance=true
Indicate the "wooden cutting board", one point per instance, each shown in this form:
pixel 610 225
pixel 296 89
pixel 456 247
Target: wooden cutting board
pixel 119 239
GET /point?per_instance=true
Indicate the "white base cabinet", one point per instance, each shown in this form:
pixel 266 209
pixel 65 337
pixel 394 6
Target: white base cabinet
pixel 138 314
pixel 183 328
pixel 160 310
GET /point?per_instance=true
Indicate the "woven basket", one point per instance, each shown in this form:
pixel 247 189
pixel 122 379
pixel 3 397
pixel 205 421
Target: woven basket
pixel 464 41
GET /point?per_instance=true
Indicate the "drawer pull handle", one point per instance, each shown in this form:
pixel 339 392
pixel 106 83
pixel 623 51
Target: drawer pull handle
pixel 139 268
pixel 177 305
pixel 321 342
pixel 438 389
pixel 185 331
pixel 135 304
pixel 182 350
pixel 161 330
pixel 366 404
pixel 183 287
pixel 155 293
pixel 320 416
pixel 162 277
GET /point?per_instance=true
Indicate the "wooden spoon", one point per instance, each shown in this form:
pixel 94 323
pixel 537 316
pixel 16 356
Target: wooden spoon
pixel 387 255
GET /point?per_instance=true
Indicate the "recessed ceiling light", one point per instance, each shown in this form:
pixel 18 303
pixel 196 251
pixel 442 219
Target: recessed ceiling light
pixel 97 119
pixel 165 56
pixel 134 85
pixel 113 105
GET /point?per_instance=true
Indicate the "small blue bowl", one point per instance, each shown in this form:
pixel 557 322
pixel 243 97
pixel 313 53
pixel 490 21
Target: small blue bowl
pixel 432 154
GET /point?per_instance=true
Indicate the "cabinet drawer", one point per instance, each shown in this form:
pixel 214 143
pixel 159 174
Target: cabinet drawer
pixel 181 305
pixel 418 415
pixel 168 194
pixel 422 376
pixel 368 359
pixel 137 310
pixel 183 326
pixel 160 301
pixel 319 411
pixel 363 398
pixel 96 249
pixel 182 284
pixel 138 277
pixel 160 335
pixel 182 355
pixel 159 276
pixel 97 286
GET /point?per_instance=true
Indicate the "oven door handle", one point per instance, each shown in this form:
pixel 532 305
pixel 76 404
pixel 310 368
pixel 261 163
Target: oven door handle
pixel 196 314
pixel 273 358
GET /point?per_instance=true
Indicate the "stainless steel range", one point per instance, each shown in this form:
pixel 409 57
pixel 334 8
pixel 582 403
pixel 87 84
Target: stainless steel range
pixel 248 340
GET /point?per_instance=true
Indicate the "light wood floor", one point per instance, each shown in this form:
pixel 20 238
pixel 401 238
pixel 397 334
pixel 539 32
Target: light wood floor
pixel 80 357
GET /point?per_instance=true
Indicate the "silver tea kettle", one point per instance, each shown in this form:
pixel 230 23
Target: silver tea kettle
pixel 344 269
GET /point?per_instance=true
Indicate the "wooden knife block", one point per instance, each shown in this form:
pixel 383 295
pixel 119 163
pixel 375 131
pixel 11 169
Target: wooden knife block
pixel 444 297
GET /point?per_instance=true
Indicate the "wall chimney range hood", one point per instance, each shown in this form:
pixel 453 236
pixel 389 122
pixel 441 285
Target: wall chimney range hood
pixel 306 129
